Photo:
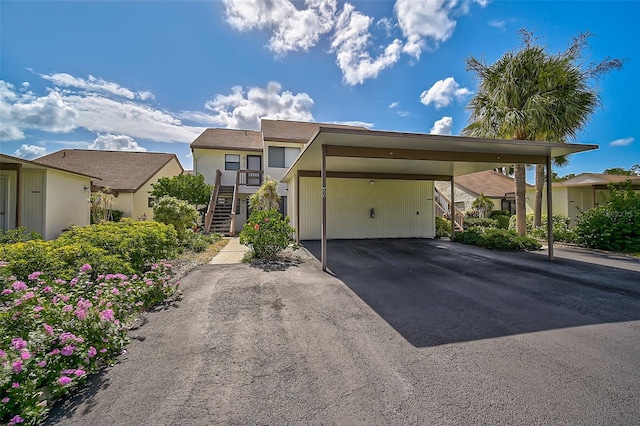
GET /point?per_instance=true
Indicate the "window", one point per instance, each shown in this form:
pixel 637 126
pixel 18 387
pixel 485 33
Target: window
pixel 231 162
pixel 282 157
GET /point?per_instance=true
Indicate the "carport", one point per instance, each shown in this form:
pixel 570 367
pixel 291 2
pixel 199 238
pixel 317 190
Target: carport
pixel 383 155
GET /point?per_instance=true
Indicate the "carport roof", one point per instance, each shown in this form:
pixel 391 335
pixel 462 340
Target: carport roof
pixel 417 154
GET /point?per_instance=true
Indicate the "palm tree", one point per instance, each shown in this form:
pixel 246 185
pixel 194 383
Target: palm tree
pixel 534 95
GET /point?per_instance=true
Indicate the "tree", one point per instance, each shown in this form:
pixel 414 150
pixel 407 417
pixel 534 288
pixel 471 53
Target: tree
pixel 187 187
pixel 483 205
pixel 537 96
pixel 633 171
pixel 556 178
pixel 266 197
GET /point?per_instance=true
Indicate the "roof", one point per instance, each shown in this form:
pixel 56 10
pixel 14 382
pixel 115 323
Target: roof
pixel 27 164
pixel 296 131
pixel 242 140
pixel 488 182
pixel 123 171
pixel 436 157
pixel 589 179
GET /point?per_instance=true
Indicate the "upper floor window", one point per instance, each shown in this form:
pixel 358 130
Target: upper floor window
pixel 280 156
pixel 231 162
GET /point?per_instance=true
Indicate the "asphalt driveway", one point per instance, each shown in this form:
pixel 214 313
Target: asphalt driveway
pixel 406 332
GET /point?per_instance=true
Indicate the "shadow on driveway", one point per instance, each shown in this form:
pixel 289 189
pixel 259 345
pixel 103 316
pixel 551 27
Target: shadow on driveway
pixel 436 292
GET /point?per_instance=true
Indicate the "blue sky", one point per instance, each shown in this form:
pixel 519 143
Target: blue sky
pixel 151 75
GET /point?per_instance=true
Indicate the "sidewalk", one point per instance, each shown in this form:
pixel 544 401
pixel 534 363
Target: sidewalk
pixel 231 254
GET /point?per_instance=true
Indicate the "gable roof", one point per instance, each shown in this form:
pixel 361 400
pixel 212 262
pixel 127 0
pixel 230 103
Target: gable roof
pixel 296 131
pixel 123 171
pixel 243 140
pixel 28 164
pixel 489 182
pixel 588 179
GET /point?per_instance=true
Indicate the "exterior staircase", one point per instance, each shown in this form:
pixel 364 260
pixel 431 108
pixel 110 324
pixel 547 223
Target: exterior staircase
pixel 221 218
pixel 444 208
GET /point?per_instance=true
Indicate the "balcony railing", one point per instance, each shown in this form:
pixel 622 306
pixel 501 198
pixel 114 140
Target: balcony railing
pixel 249 177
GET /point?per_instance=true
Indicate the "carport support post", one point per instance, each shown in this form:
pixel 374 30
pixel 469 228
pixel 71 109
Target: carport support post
pixel 549 209
pixel 452 209
pixel 323 177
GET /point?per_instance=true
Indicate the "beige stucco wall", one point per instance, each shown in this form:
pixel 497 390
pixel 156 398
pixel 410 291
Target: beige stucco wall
pixel 403 209
pixel 207 161
pixel 66 201
pixel 140 198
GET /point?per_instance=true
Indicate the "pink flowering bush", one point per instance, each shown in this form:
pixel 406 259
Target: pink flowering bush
pixel 55 332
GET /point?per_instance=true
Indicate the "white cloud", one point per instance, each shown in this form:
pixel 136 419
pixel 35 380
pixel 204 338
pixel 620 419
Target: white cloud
pixel 29 152
pixel 424 19
pixel 95 84
pixel 356 123
pixel 442 126
pixel 443 92
pixel 292 29
pixel 393 105
pixel 499 24
pixel 109 142
pixel 622 142
pixel 64 111
pixel 350 43
pixel 243 110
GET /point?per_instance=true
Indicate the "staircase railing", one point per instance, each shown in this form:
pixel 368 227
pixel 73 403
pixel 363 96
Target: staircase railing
pixel 234 205
pixel 208 218
pixel 444 207
pixel 249 177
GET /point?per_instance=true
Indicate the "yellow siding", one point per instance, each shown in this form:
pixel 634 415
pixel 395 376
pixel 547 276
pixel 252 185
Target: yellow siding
pixel 403 209
pixel 207 161
pixel 140 199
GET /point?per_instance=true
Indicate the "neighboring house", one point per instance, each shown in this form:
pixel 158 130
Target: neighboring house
pixel 580 193
pixel 494 185
pixel 42 198
pixel 349 182
pixel 127 174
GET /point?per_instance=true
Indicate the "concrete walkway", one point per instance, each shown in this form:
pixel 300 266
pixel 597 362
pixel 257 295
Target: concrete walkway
pixel 231 254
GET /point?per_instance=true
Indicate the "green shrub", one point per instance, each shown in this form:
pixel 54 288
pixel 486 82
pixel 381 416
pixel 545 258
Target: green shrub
pixel 495 213
pixel 197 242
pixel 503 221
pixel 138 243
pixel 18 235
pixel 443 227
pixel 29 256
pixel 614 225
pixel 267 233
pixel 484 222
pixel 561 228
pixel 186 187
pixel 179 213
pixel 116 215
pixel 497 239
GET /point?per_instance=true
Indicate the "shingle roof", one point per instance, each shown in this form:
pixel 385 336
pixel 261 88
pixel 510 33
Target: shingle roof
pixel 588 179
pixel 295 131
pixel 124 171
pixel 489 182
pixel 245 140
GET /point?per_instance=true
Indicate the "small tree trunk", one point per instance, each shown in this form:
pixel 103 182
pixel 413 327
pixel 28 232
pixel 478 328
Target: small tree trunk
pixel 537 210
pixel 520 179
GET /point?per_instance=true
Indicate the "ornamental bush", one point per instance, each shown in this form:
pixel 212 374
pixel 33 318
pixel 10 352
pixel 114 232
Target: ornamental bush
pixel 179 213
pixel 443 227
pixel 267 233
pixel 18 235
pixel 497 239
pixel 54 332
pixel 138 243
pixel 614 225
pixel 480 222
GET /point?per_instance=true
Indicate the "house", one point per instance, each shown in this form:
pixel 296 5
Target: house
pixel 494 185
pixel 243 158
pixel 42 198
pixel 128 175
pixel 580 193
pixel 347 182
